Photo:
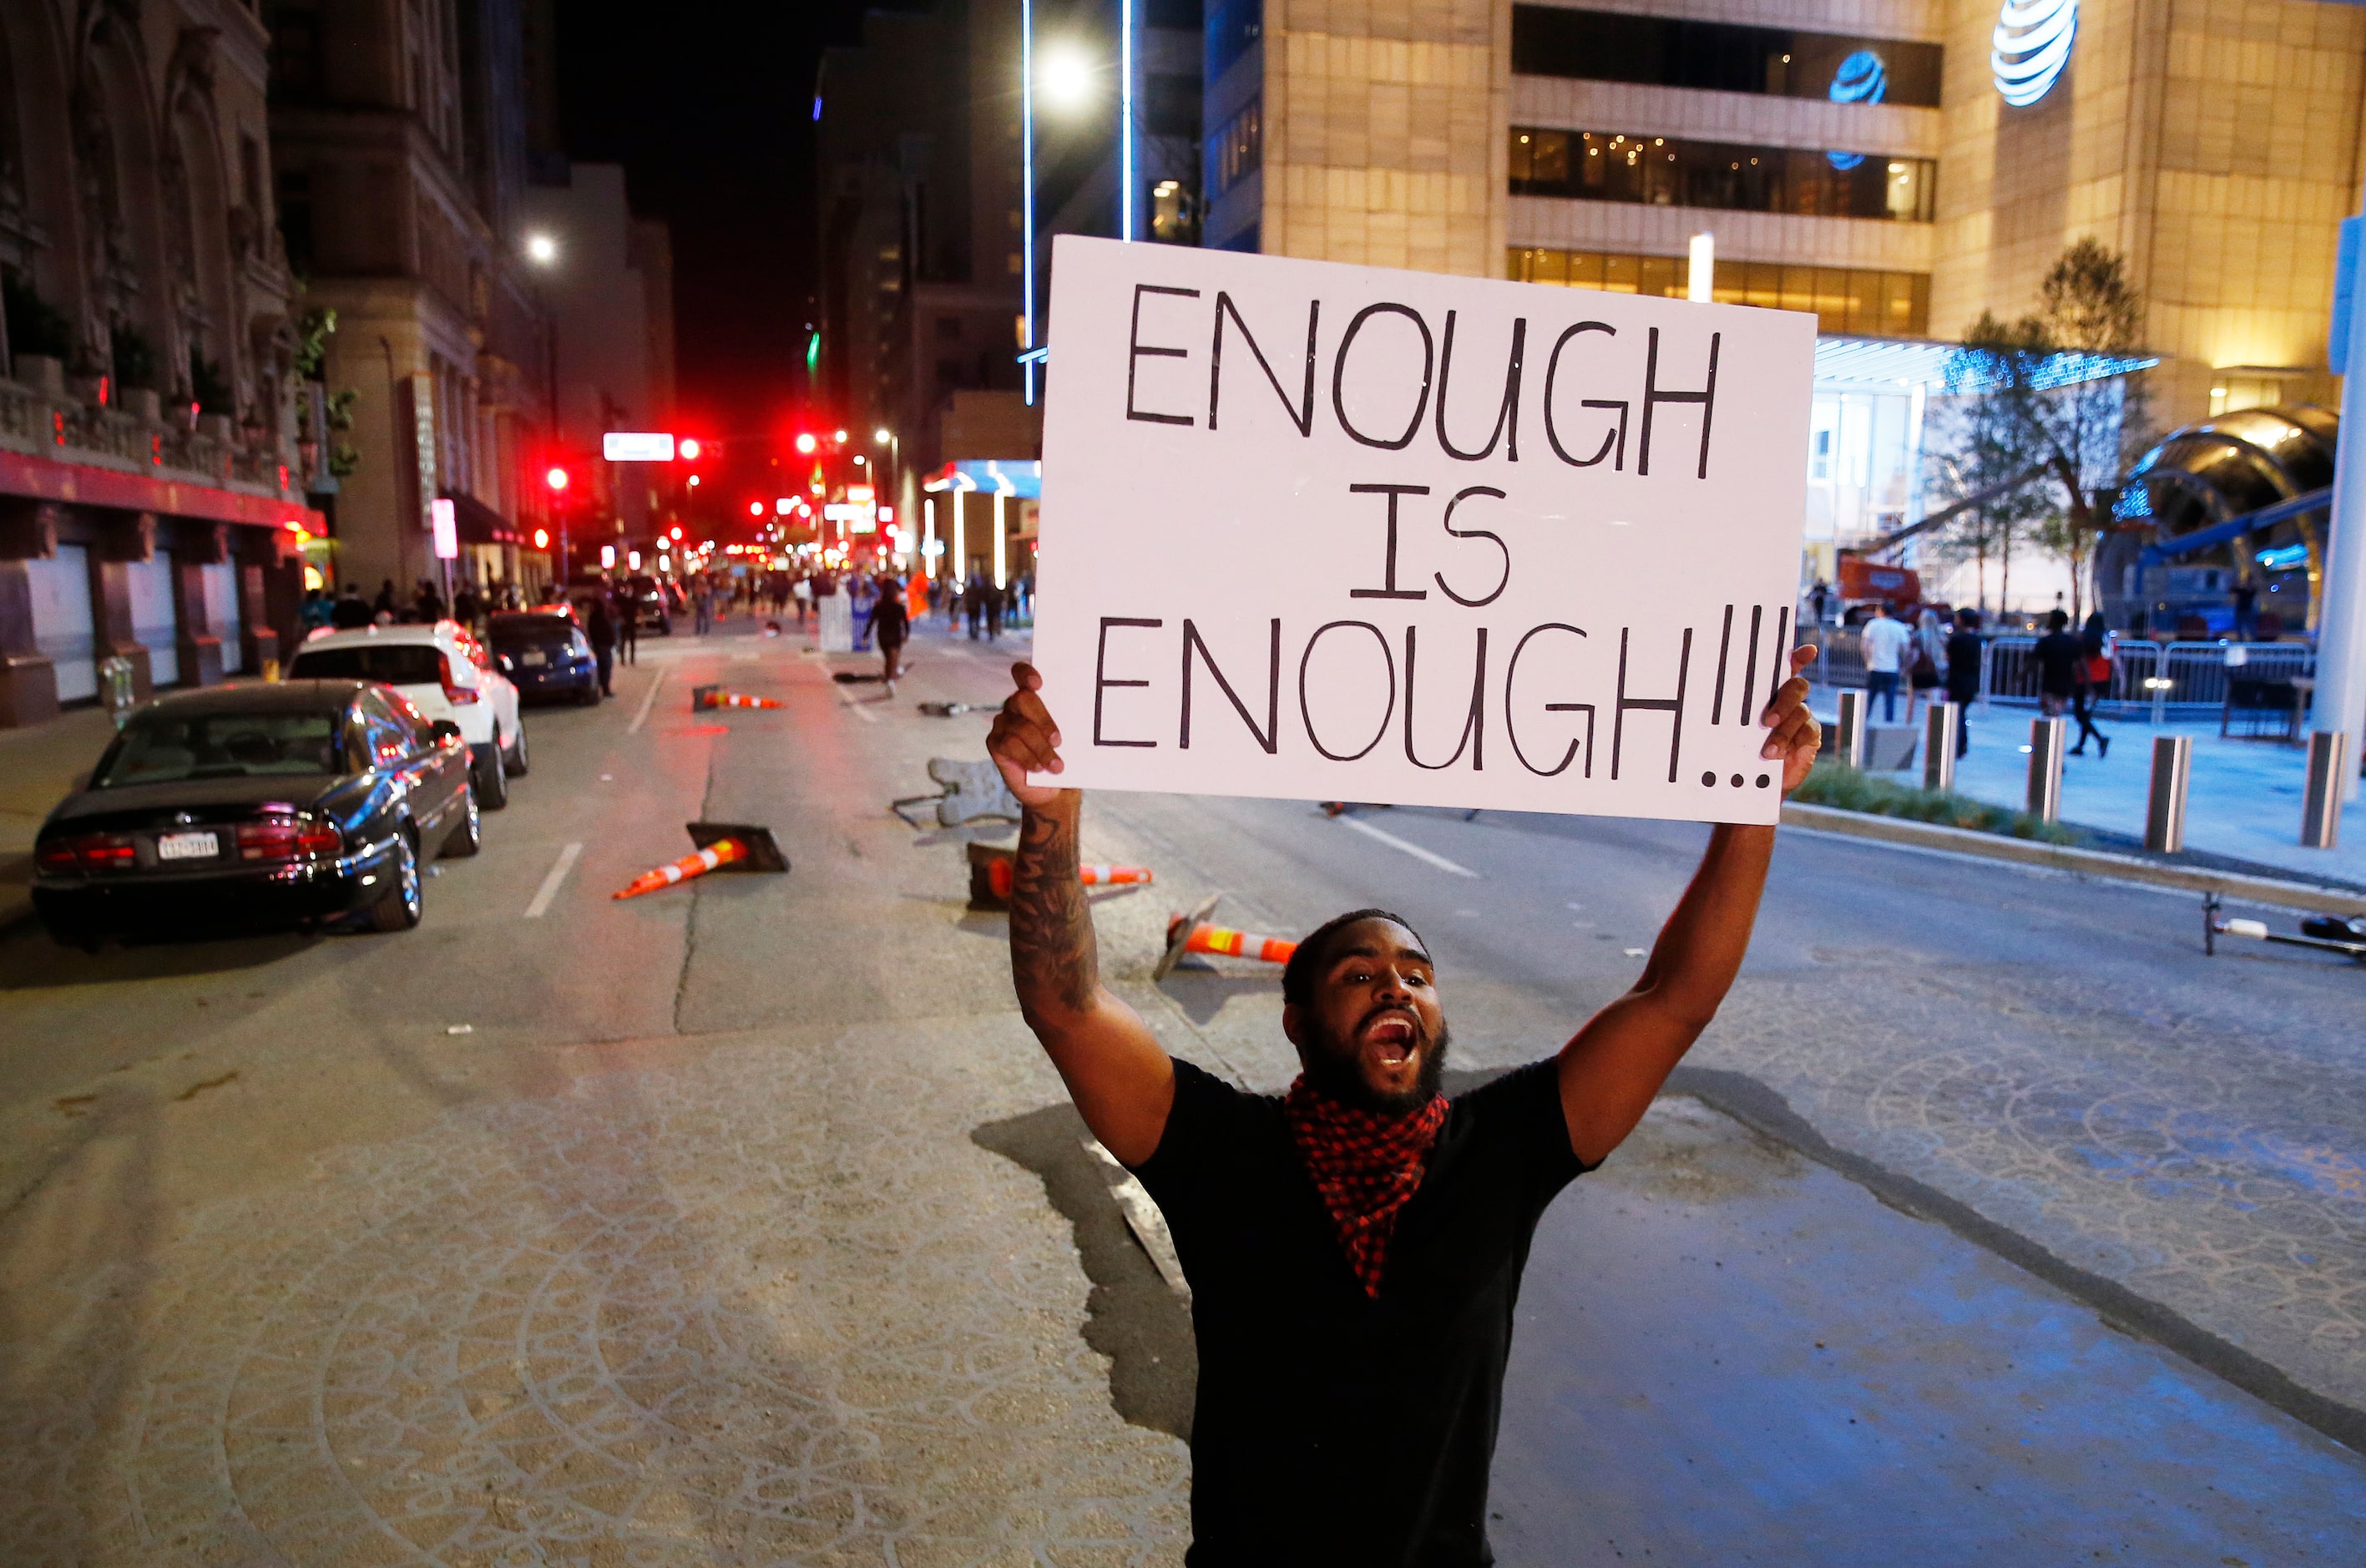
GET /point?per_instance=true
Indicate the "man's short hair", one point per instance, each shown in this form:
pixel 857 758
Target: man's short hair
pixel 1969 620
pixel 2059 619
pixel 1313 954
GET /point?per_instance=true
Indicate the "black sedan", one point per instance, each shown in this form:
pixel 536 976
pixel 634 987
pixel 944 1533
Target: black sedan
pixel 545 654
pixel 303 801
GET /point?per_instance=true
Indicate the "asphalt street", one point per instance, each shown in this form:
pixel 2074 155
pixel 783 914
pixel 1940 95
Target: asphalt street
pixel 1992 1223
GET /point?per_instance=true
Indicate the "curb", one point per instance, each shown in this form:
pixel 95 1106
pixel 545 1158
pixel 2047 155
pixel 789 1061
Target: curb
pixel 2085 862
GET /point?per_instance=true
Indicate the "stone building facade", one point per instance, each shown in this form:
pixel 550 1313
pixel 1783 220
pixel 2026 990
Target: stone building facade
pixel 151 499
pixel 398 139
pixel 1855 158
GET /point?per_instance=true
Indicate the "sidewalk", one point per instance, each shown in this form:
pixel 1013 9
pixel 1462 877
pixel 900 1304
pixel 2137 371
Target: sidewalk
pixel 38 765
pixel 2243 801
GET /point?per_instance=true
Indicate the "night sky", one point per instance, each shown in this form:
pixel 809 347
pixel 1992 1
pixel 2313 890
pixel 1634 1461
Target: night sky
pixel 709 109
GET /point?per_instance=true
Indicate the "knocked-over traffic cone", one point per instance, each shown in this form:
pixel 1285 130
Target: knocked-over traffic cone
pixel 716 698
pixel 993 871
pixel 733 846
pixel 1194 933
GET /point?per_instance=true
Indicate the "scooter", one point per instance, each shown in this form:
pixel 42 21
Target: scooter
pixel 2327 933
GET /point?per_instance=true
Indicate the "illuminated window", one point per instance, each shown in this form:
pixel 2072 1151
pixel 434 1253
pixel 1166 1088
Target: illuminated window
pixel 1671 172
pixel 1850 301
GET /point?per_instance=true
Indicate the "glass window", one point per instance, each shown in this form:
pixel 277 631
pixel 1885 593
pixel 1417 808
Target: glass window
pixel 1671 172
pixel 161 748
pixel 1667 51
pixel 397 664
pixel 1890 304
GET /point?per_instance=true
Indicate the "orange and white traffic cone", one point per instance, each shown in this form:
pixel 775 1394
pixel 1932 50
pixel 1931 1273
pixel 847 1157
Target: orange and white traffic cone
pixel 993 872
pixel 1238 944
pixel 1195 933
pixel 716 698
pixel 722 852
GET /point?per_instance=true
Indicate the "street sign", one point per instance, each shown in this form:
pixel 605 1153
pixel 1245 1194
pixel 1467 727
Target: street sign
pixel 636 446
pixel 1272 487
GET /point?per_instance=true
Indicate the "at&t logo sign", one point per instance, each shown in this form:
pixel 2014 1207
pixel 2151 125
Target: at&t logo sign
pixel 2031 46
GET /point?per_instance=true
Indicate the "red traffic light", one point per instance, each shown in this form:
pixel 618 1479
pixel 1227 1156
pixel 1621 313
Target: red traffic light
pixel 755 509
pixel 805 443
pixel 687 447
pixel 542 538
pixel 556 479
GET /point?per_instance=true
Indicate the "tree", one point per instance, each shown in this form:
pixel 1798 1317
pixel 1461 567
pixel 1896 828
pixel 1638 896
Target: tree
pixel 2030 396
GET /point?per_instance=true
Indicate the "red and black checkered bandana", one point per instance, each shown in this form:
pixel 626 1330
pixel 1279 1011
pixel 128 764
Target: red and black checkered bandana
pixel 1365 1165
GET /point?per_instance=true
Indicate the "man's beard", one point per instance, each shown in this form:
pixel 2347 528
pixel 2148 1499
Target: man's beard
pixel 1335 1068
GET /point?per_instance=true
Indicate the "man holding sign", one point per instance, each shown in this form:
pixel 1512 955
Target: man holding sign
pixel 1517 546
pixel 1354 1247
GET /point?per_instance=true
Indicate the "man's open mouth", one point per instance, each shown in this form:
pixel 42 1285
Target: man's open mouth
pixel 1393 1036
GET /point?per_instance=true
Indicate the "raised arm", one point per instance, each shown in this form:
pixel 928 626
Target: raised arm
pixel 1120 1079
pixel 1613 1065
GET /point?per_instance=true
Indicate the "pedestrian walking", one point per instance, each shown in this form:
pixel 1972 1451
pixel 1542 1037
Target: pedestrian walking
pixel 1926 661
pixel 893 621
pixel 973 606
pixel 804 593
pixel 629 624
pixel 1354 1246
pixel 1885 641
pixel 349 613
pixel 701 604
pixel 2057 665
pixel 996 601
pixel 602 633
pixel 1817 597
pixel 2097 653
pixel 861 598
pixel 1964 674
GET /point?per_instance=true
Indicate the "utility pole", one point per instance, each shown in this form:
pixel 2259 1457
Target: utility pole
pixel 2340 698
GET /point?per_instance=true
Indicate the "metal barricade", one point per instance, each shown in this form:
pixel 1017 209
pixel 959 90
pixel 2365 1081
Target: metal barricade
pixel 2152 682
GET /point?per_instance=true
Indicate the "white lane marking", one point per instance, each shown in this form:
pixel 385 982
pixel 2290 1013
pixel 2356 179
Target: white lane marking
pixel 647 702
pixel 860 710
pixel 550 884
pixel 1429 857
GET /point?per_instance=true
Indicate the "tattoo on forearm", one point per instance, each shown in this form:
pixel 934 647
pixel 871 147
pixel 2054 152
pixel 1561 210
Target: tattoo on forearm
pixel 1054 958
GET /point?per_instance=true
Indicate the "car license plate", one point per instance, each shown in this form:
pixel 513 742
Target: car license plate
pixel 188 846
pixel 534 657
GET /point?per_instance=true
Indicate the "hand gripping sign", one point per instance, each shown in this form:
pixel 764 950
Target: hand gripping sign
pixel 1330 532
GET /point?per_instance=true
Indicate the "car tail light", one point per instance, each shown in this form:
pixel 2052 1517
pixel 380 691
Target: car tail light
pixel 454 695
pixel 87 851
pixel 287 837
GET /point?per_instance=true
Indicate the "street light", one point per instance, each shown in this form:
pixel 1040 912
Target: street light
pixel 541 249
pixel 883 435
pixel 1066 77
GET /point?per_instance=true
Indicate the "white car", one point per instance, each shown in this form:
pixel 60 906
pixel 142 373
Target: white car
pixel 446 673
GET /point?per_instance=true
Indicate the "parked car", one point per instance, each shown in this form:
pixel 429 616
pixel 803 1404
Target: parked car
pixel 302 801
pixel 545 654
pixel 446 673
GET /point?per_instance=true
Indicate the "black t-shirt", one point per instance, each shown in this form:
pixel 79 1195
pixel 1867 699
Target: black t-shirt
pixel 1963 666
pixel 1330 1426
pixel 2057 658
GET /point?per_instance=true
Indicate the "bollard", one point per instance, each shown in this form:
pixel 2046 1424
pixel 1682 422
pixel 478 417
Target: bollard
pixel 2172 769
pixel 1850 741
pixel 2320 818
pixel 2046 735
pixel 1939 745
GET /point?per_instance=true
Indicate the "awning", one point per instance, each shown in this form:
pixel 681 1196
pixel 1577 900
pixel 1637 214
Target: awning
pixel 1010 476
pixel 481 525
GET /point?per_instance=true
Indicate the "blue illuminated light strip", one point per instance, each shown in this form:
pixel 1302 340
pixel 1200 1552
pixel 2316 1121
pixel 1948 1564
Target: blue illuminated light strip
pixel 2030 47
pixel 1125 120
pixel 1027 191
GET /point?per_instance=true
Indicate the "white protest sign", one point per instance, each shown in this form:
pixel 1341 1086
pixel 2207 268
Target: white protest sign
pixel 1336 533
